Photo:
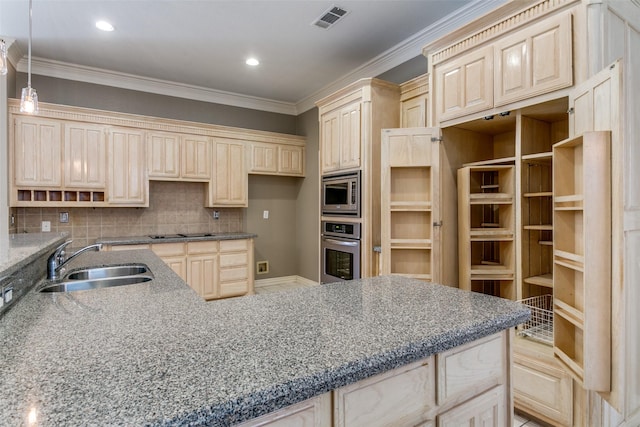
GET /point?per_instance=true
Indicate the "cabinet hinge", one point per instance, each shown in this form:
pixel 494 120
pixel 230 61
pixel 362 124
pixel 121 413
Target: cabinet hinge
pixel 437 223
pixel 436 139
pixel 570 110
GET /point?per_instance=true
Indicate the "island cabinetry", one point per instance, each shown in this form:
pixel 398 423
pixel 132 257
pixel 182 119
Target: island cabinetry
pixel 178 157
pixel 230 181
pixel 173 254
pixel 466 385
pixel 127 178
pixel 276 159
pixel 85 156
pixel 581 256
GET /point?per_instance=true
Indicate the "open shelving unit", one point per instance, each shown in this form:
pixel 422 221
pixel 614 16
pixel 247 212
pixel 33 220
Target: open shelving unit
pixel 486 229
pixel 581 265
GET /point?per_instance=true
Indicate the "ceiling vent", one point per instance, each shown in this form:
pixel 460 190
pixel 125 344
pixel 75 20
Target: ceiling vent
pixel 330 17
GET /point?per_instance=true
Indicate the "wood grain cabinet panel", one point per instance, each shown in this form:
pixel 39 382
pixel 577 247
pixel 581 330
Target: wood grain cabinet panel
pixel 533 61
pixel 465 85
pixel 196 157
pixel 276 159
pixel 340 138
pixel 127 178
pixel 229 184
pixel 163 155
pixel 37 152
pixel 85 156
pixel 314 412
pixel 486 410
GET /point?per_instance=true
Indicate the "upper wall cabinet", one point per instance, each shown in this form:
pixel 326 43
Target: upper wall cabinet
pixel 127 183
pixel 229 186
pixel 37 152
pixel 85 156
pixel 534 60
pixel 414 102
pixel 340 138
pixel 176 157
pixel 465 85
pixel 276 159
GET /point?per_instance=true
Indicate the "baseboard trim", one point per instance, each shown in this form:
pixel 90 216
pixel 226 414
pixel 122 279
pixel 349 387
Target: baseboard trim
pixel 283 280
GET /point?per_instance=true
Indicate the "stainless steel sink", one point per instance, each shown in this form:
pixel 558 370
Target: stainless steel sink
pixel 107 272
pixel 100 277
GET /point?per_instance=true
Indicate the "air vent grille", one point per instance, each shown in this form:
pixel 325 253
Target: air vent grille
pixel 330 17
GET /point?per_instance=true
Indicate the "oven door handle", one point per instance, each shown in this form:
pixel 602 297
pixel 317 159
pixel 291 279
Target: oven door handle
pixel 340 242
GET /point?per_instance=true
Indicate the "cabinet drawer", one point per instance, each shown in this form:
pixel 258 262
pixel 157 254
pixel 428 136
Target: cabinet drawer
pixel 233 274
pixel 206 247
pixel 234 260
pixel 168 249
pixel 234 245
pixel 124 247
pixel 487 410
pixel 403 396
pixel 315 412
pixel 233 289
pixel 543 390
pixel 470 369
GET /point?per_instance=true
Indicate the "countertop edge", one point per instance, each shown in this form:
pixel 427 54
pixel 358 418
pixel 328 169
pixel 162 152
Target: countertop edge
pixel 147 240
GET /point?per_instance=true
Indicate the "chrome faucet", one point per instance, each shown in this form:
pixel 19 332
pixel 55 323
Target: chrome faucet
pixel 57 260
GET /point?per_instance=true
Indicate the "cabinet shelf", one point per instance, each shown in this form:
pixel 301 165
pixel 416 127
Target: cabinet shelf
pixel 545 242
pixel 540 227
pixel 491 272
pixel 538 194
pixel 546 157
pixel 545 280
pixel 492 234
pixel 410 243
pixel 490 199
pixel 569 313
pixel 400 206
pixel 491 162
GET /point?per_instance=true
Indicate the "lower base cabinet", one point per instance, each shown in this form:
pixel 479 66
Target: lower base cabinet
pixel 213 268
pixel 467 385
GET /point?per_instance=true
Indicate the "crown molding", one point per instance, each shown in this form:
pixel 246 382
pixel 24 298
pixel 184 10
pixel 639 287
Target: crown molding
pixel 398 54
pixel 63 70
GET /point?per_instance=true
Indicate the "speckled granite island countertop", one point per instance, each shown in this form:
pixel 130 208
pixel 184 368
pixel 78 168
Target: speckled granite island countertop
pixel 156 354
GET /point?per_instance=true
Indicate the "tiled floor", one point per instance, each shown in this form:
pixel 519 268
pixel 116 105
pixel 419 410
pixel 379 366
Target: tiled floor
pixel 519 420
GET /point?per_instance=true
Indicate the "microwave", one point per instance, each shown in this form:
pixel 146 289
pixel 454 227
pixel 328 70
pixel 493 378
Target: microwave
pixel 341 194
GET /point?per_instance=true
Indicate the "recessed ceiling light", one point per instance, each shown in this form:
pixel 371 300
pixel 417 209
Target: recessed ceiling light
pixel 252 61
pixel 104 26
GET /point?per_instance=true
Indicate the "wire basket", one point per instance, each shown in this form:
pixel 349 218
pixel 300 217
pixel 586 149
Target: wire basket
pixel 540 326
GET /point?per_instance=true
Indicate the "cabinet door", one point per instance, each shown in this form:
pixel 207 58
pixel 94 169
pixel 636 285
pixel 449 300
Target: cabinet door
pixel 85 156
pixel 487 410
pixel 37 152
pixel 264 158
pixel 291 160
pixel 202 275
pixel 534 61
pixel 229 186
pixel 127 183
pixel 178 264
pixel 314 412
pixel 413 112
pixel 464 85
pixel 196 157
pixel 163 155
pixel 350 132
pixel 330 141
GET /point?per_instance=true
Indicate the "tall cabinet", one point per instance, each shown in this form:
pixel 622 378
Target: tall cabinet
pixel 351 121
pixel 548 208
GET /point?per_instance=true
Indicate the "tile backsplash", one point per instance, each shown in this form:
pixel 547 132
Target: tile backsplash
pixel 174 207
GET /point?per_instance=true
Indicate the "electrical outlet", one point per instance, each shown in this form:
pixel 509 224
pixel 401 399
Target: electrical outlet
pixel 262 267
pixel 216 215
pixel 64 217
pixel 46 226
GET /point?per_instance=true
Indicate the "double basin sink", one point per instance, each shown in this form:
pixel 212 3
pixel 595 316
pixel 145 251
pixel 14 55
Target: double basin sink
pixel 100 277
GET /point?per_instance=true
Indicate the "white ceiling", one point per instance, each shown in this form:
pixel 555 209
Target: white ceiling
pixel 197 49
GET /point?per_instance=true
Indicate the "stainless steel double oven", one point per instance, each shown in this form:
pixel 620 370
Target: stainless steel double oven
pixel 340 245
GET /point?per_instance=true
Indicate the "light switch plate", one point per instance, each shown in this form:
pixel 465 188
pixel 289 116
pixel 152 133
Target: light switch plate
pixel 265 214
pixel 46 226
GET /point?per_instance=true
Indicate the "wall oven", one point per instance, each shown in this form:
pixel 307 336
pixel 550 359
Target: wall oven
pixel 341 194
pixel 340 246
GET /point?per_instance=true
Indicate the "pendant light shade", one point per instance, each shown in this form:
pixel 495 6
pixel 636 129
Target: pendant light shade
pixel 29 99
pixel 3 58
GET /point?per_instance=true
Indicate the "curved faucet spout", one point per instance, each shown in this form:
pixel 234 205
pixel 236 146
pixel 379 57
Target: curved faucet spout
pixel 57 259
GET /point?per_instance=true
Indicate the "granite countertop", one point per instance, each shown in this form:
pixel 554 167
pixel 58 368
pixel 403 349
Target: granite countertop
pixel 18 250
pixel 157 354
pixel 173 238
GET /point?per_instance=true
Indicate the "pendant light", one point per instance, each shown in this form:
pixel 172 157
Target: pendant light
pixel 4 69
pixel 29 99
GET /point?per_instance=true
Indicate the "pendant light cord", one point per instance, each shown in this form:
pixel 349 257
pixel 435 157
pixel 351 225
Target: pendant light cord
pixel 29 62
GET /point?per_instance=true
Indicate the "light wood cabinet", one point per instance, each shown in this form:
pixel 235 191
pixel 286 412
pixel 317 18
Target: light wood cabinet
pixel 464 85
pixel 314 412
pixel 230 182
pixel 486 229
pixel 414 102
pixel 127 178
pixel 486 410
pixel 277 159
pixel 582 262
pixel 410 177
pixel 236 268
pixel 173 254
pixel 535 60
pixel 340 138
pixel 178 157
pixel 85 156
pixel 37 152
